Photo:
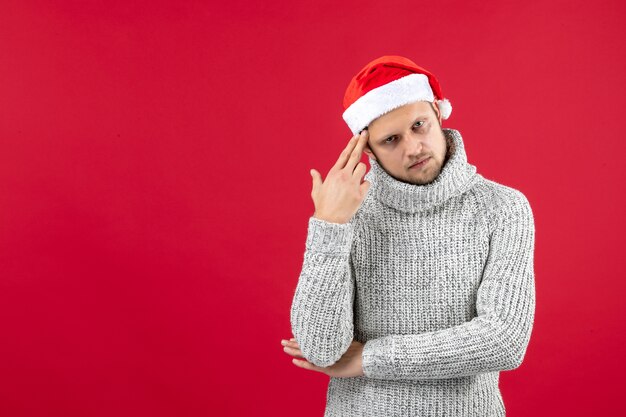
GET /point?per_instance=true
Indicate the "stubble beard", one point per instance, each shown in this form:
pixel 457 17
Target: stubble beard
pixel 450 147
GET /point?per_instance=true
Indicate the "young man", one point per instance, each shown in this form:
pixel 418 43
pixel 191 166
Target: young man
pixel 417 286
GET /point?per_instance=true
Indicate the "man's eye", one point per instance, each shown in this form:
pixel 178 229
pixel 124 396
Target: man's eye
pixel 390 138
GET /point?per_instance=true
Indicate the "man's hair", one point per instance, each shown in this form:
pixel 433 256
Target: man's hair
pixel 432 106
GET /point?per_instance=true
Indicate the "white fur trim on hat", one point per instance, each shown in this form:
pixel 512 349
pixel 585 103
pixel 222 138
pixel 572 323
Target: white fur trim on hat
pixel 383 99
pixel 445 108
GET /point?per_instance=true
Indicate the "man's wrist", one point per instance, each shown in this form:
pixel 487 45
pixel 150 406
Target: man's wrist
pixel 329 219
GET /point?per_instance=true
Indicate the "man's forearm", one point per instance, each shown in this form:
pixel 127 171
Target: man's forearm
pixel 321 311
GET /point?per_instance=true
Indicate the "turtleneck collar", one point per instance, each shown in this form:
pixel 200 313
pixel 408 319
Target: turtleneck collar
pixel 456 176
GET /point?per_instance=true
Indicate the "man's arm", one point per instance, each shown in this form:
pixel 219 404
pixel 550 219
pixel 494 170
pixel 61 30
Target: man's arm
pixel 321 311
pixel 496 339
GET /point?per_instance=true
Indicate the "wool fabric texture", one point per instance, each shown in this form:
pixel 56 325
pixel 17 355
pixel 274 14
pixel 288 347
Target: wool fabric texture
pixel 436 280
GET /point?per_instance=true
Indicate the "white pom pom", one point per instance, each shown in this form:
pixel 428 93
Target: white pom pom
pixel 445 108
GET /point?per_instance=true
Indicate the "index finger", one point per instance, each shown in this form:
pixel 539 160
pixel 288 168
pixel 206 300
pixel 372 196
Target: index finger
pixel 354 141
pixel 355 156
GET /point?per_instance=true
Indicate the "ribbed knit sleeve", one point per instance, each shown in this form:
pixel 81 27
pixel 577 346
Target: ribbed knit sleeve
pixel 497 338
pixel 321 310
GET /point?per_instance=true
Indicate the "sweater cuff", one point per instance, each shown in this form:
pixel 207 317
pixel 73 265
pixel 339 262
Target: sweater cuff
pixel 377 358
pixel 328 237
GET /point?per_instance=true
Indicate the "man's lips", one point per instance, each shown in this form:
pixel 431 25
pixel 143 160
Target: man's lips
pixel 419 162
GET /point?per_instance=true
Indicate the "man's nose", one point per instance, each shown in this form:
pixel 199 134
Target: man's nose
pixel 414 145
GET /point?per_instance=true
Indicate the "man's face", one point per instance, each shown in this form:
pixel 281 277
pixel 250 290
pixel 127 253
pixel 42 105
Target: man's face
pixel 407 135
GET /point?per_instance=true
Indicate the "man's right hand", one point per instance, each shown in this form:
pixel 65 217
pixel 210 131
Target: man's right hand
pixel 340 195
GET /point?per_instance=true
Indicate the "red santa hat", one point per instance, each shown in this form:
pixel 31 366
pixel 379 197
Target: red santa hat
pixel 386 83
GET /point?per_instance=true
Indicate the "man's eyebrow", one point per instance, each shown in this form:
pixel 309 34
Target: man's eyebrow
pixel 421 116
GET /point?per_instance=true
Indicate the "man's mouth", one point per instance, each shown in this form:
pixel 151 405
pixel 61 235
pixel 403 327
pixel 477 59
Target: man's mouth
pixel 420 163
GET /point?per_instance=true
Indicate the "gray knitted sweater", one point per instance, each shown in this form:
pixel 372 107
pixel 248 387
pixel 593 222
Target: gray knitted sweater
pixel 437 280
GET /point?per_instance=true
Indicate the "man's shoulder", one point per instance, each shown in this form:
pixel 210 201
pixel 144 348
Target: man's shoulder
pixel 501 201
pixel 499 193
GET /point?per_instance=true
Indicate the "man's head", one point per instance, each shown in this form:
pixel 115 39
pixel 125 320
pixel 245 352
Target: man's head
pixel 408 134
pixel 402 105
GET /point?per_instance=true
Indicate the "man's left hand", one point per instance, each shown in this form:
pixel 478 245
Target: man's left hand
pixel 349 365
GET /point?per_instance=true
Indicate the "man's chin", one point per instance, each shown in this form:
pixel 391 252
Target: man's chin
pixel 422 182
pixel 425 180
pixel 417 181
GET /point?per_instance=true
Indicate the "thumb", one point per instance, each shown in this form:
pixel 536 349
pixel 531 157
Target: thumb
pixel 317 178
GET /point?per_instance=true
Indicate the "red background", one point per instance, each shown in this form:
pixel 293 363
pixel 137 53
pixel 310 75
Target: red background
pixel 155 190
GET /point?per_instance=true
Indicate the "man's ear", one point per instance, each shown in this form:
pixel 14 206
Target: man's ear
pixel 368 151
